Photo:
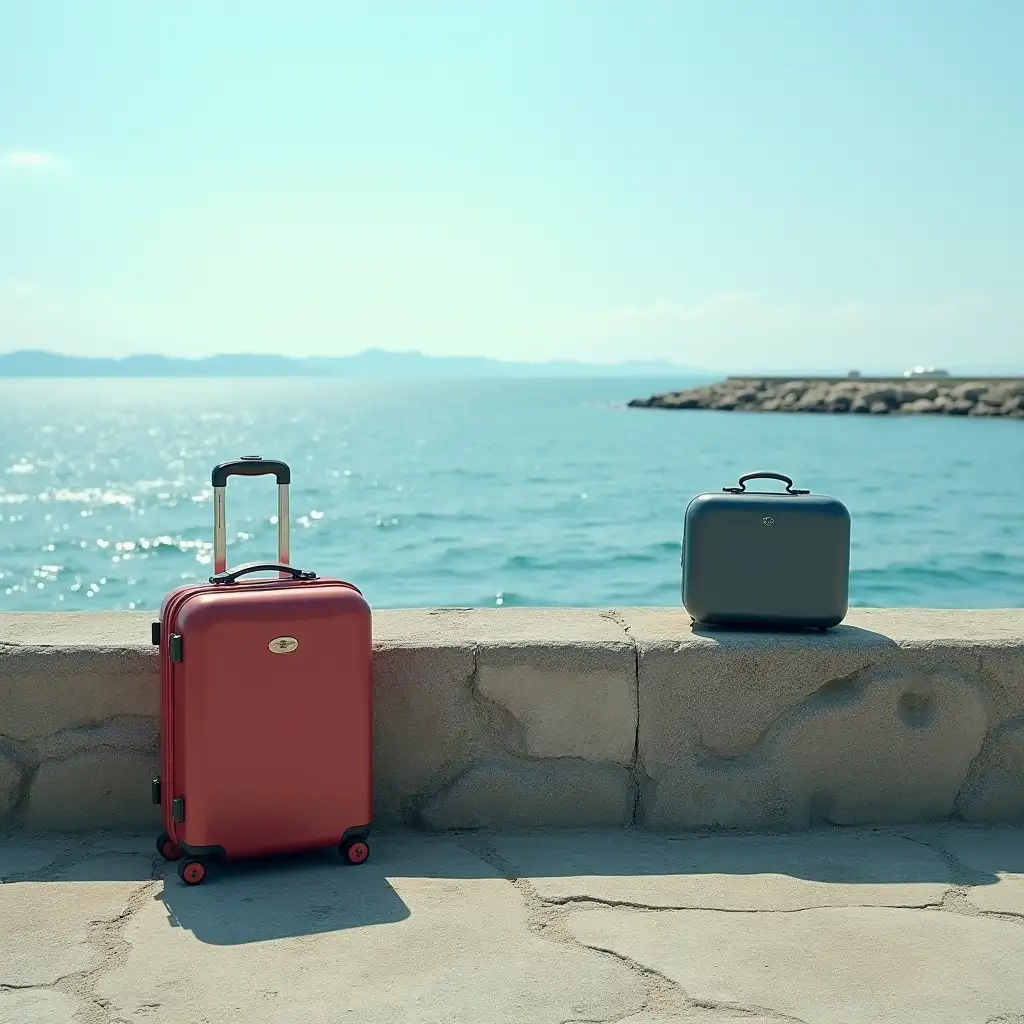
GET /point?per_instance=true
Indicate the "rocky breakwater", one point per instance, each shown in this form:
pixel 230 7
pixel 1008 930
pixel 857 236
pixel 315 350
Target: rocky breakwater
pixel 947 397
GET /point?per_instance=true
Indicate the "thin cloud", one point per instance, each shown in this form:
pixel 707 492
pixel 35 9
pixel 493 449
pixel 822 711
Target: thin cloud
pixel 29 158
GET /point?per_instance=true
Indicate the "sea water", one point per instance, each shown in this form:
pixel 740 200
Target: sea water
pixel 475 492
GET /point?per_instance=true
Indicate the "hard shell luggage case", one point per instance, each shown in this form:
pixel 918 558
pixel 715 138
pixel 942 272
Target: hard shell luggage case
pixel 772 559
pixel 266 707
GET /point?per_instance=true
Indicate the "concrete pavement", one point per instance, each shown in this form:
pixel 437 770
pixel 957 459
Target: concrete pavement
pixel 901 925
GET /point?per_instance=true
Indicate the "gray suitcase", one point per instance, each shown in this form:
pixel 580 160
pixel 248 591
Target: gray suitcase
pixel 776 559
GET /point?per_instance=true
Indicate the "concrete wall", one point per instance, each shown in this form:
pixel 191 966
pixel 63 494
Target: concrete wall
pixel 513 718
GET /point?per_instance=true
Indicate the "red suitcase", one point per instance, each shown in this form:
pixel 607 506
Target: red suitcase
pixel 266 712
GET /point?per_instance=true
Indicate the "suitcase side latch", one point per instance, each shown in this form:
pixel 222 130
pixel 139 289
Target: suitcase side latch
pixel 174 646
pixel 154 633
pixel 178 809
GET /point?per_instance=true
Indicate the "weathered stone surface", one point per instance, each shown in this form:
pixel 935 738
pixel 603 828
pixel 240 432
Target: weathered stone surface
pixel 994 860
pixel 47 926
pixel 883 749
pixel 830 737
pixel 98 631
pixel 779 873
pixel 124 732
pixel 426 725
pixel 424 932
pixel 823 966
pixel 64 669
pixel 721 690
pixel 518 794
pixel 501 929
pixel 37 1006
pixel 10 783
pixel 100 788
pixel 570 698
pixel 893 748
pixel 543 687
pixel 456 687
pixel 1002 667
pixel 993 792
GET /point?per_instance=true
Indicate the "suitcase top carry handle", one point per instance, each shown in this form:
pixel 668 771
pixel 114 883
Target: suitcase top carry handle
pixel 764 475
pixel 243 570
pixel 250 465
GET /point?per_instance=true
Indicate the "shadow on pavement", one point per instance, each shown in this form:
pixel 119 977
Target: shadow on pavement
pixel 309 894
pixel 278 897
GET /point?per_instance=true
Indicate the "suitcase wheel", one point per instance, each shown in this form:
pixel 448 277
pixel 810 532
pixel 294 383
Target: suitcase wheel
pixel 166 848
pixel 355 851
pixel 192 872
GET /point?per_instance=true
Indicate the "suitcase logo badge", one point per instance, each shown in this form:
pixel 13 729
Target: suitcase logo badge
pixel 768 521
pixel 283 645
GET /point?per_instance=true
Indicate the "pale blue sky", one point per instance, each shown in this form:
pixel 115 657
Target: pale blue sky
pixel 721 183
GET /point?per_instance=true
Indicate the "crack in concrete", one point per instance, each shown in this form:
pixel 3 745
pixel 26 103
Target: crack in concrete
pixel 957 898
pixel 562 901
pixel 507 730
pixel 635 767
pixel 662 995
pixel 962 876
pixel 26 763
pixel 984 759
pixel 106 936
pixel 956 812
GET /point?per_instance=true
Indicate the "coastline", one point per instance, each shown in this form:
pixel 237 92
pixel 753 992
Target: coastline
pixel 944 396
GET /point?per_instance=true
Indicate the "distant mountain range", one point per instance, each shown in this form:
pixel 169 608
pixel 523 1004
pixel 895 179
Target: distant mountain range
pixel 371 363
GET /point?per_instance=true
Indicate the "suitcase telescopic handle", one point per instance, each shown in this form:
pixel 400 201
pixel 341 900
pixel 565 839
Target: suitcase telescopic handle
pixel 244 570
pixel 250 465
pixel 764 475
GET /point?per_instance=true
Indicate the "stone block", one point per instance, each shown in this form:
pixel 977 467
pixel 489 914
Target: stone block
pixel 719 691
pixel 570 692
pixel 743 730
pixel 534 794
pixel 895 747
pixel 868 723
pixel 427 727
pixel 100 788
pixel 46 689
pixel 888 747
